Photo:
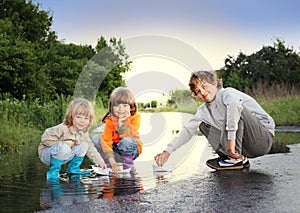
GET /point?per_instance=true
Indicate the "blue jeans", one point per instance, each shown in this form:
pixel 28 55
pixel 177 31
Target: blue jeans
pixel 126 147
pixel 62 151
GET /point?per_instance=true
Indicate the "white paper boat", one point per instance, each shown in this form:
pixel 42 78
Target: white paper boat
pixel 107 171
pixel 101 171
pixel 164 168
pixel 123 171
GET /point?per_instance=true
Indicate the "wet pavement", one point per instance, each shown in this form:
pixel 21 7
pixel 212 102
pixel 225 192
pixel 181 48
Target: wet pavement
pixel 271 184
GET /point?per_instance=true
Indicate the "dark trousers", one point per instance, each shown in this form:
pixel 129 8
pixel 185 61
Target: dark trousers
pixel 252 138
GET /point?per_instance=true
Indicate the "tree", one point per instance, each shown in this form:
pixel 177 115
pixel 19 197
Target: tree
pixel 33 64
pixel 23 34
pixel 275 64
pixel 20 72
pixel 29 23
pixel 63 63
pixel 104 72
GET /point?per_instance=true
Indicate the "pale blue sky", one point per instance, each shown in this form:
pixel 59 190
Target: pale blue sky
pixel 216 28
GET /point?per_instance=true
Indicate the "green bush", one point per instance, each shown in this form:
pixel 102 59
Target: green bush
pixel 14 136
pixel 33 113
pixel 23 121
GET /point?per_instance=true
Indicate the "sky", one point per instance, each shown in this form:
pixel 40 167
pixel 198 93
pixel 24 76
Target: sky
pixel 171 36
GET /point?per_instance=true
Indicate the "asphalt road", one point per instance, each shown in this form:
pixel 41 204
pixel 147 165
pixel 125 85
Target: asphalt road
pixel 271 184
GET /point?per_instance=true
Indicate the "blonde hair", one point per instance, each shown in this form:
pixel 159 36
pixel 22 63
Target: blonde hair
pixel 79 106
pixel 122 95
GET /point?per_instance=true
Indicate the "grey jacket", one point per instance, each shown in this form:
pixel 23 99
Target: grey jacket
pixel 226 107
pixel 61 133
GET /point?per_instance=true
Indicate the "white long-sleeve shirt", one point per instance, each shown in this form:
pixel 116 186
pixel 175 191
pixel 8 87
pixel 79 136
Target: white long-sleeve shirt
pixel 226 107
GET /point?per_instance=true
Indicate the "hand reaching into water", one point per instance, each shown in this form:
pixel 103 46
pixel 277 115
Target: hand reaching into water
pixel 114 165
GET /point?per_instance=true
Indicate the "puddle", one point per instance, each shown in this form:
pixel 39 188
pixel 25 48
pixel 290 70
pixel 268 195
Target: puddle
pixel 23 184
pixel 25 187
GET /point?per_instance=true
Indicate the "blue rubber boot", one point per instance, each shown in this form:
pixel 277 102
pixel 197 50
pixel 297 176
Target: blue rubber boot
pixel 55 166
pixel 74 166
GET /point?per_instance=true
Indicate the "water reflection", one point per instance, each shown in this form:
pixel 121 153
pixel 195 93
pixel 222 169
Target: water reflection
pixel 57 193
pixel 115 185
pixel 79 189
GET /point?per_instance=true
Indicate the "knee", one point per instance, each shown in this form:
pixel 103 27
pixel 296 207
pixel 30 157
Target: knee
pixel 63 149
pixel 128 146
pixel 204 129
pixel 127 142
pixel 95 139
pixel 84 146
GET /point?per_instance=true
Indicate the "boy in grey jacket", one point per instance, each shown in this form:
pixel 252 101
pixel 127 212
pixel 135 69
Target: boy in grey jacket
pixel 234 124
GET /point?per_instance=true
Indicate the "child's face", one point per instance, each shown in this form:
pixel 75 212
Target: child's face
pixel 205 91
pixel 121 110
pixel 81 122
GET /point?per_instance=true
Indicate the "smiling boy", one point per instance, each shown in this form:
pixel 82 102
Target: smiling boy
pixel 235 125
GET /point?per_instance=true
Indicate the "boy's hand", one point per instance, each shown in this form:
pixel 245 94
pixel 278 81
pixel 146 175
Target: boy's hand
pixel 122 119
pixel 231 149
pixel 162 158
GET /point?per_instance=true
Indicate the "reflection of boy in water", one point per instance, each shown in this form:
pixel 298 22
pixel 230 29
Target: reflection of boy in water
pixel 235 125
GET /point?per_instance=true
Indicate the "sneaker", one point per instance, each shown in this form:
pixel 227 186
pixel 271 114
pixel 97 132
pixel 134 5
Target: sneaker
pixel 241 162
pixel 246 162
pixel 227 163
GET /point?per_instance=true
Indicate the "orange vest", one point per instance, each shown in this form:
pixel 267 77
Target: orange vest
pixel 110 136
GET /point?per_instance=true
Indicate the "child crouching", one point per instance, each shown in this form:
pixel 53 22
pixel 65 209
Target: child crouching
pixel 120 142
pixel 69 141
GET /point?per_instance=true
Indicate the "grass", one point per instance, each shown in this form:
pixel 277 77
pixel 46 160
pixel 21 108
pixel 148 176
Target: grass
pixel 287 138
pixel 14 137
pixel 284 110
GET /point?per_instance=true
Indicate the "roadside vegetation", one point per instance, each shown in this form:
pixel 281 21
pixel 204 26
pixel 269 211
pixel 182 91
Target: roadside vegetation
pixel 39 76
